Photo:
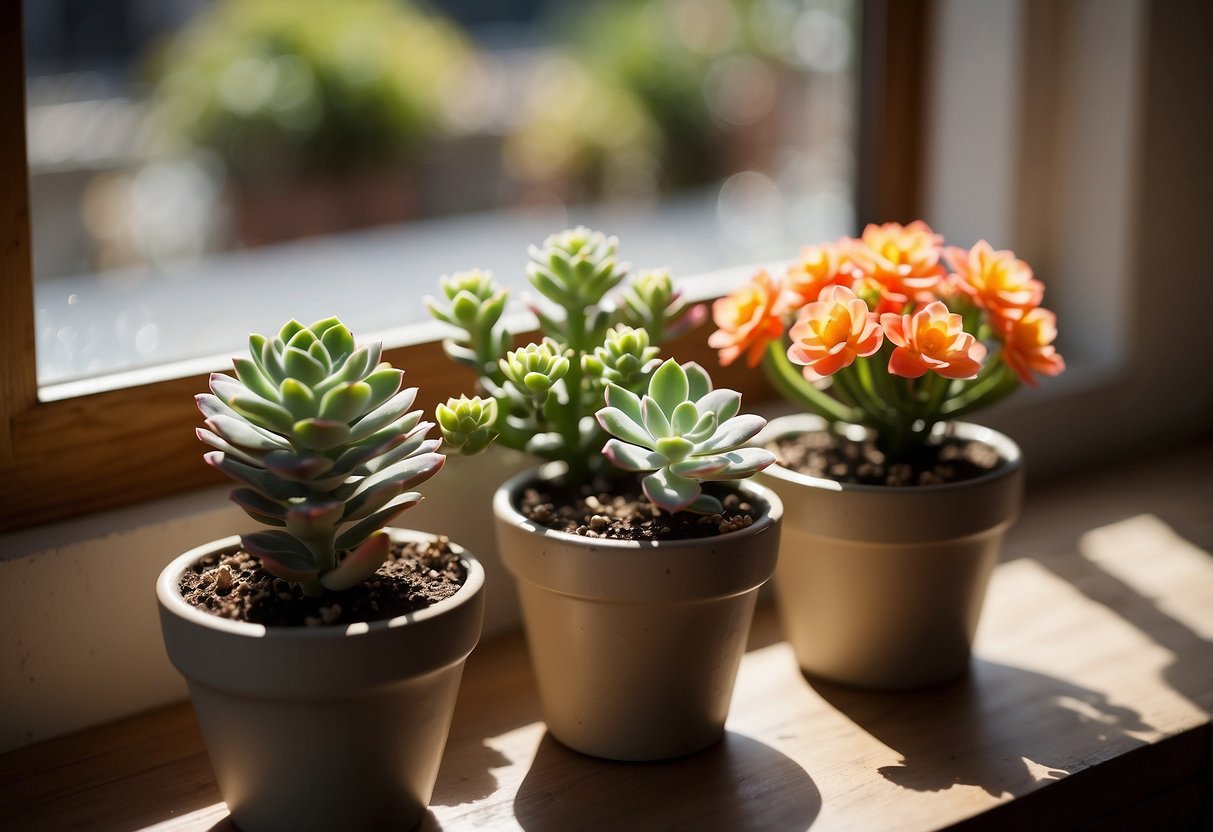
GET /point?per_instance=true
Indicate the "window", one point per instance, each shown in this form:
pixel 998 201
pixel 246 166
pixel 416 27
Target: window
pixel 1113 209
pixel 74 441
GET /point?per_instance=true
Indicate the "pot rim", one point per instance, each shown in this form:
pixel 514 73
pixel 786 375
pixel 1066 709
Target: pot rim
pixel 503 507
pixel 169 594
pixel 797 423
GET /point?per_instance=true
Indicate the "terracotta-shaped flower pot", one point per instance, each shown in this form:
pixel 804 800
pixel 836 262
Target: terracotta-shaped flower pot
pixel 881 587
pixel 636 646
pixel 323 727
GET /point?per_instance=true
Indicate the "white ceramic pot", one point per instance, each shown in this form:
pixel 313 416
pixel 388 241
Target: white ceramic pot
pixel 881 587
pixel 636 646
pixel 322 728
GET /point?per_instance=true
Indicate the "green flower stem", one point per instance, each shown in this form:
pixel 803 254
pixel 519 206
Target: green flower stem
pixel 874 411
pixel 791 384
pixel 936 391
pixel 569 426
pixel 995 387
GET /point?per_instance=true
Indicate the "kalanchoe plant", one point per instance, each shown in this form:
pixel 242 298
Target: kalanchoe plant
pixel 544 394
pixel 893 330
pixel 319 434
pixel 684 433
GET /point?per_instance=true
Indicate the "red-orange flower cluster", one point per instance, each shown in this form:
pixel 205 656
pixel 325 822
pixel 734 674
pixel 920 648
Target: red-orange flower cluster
pixel 895 282
pixel 832 332
pixel 748 320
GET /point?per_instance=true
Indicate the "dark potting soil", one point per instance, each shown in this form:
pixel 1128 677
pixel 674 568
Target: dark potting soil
pixel 233 585
pixel 827 455
pixel 622 512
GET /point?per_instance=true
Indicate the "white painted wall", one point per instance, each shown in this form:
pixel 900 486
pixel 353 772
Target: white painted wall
pixel 81 642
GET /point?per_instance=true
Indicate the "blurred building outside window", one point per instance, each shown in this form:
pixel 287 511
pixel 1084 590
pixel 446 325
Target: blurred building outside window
pixel 201 169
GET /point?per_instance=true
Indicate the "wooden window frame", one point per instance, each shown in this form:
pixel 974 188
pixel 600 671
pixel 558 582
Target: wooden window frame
pixel 64 458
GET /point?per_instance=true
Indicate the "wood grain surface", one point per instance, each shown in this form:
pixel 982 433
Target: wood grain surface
pixel 1087 706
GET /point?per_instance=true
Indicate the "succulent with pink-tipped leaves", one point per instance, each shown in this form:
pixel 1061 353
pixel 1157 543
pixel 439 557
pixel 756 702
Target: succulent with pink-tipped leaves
pixel 684 433
pixel 319 434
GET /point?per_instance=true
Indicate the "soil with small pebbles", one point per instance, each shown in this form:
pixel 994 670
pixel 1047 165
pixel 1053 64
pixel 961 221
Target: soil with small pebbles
pixel 620 511
pixel 233 585
pixel 829 456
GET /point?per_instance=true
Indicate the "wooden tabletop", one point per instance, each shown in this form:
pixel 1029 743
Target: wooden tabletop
pixel 1088 706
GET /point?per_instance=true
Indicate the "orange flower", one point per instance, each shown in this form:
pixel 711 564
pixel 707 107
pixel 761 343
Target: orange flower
pixel 817 267
pixel 932 339
pixel 748 320
pixel 903 260
pixel 1028 344
pixel 996 280
pixel 832 332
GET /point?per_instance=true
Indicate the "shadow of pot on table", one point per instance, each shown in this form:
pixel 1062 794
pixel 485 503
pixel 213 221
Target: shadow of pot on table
pixel 738 783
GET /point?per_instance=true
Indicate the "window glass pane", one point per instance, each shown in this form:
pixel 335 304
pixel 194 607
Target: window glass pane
pixel 203 169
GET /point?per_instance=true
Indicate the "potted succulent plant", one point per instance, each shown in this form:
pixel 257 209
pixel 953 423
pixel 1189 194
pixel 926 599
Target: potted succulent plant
pixel 637 581
pixel 323 655
pixel 899 508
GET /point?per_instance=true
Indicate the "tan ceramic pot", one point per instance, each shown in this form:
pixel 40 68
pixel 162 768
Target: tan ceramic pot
pixel 881 587
pixel 636 646
pixel 322 728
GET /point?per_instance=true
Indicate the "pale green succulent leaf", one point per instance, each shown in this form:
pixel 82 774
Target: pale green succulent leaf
pixel 705 504
pixel 617 423
pixel 655 422
pixel 254 379
pixel 312 518
pixel 301 340
pixel 258 479
pixel 405 425
pixel 318 352
pixel 211 406
pixel 262 413
pixel 301 467
pixel 360 564
pixel 625 401
pixel 401 503
pixel 266 512
pixel 384 384
pixel 668 386
pixel 669 491
pixel 699 383
pixel 353 458
pixel 338 341
pixel 724 403
pixel 631 457
pixel 385 414
pixel 346 402
pixel 733 434
pixel 742 463
pixel 406 472
pixel 700 467
pixel 271 360
pixel 684 418
pixel 415 445
pixel 298 398
pixel 289 330
pixel 243 433
pixel 220 444
pixel 320 434
pixel 674 448
pixel 303 367
pixel 283 550
pixel 704 428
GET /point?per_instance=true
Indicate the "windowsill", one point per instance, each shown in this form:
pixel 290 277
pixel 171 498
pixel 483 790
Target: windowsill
pixel 1089 701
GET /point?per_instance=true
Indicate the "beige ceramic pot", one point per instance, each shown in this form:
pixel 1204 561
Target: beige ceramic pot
pixel 881 587
pixel 636 646
pixel 323 727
